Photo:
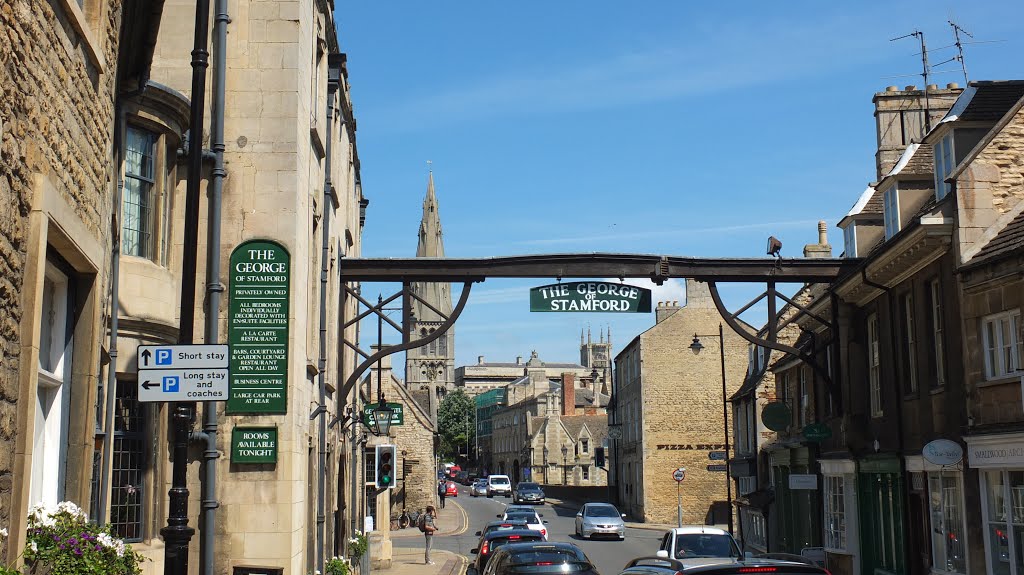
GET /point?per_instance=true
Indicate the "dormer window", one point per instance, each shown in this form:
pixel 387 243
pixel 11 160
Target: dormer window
pixel 891 201
pixel 850 241
pixel 944 164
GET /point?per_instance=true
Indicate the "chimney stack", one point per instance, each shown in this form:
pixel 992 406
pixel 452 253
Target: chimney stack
pixel 479 360
pixel 821 249
pixel 900 119
pixel 663 311
pixel 568 393
pixel 519 360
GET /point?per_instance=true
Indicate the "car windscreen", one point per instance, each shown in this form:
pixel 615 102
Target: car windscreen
pixel 690 545
pixel 499 541
pixel 527 517
pixel 506 526
pixel 602 511
pixel 549 560
pixel 529 487
pixel 499 481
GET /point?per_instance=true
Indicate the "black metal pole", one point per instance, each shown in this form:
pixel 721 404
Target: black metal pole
pixel 177 533
pixel 725 428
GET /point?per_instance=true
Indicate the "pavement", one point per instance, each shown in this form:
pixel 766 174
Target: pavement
pixel 450 521
pixel 575 505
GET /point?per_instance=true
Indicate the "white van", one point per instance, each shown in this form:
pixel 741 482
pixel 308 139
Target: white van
pixel 500 485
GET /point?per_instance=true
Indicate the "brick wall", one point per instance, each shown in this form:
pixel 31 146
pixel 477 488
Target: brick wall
pixel 56 113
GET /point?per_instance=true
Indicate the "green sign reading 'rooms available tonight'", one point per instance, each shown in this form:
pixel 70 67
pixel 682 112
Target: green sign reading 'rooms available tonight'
pixel 254 445
pixel 258 328
pixel 590 296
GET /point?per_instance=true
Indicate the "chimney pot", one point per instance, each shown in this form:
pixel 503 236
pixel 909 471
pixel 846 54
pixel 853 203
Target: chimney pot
pixel 910 88
pixel 822 232
pixel 519 360
pixel 892 88
pixel 933 87
pixel 952 86
pixel 479 360
pixel 675 303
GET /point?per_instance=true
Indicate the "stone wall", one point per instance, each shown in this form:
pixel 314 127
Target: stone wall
pixel 414 441
pixel 56 118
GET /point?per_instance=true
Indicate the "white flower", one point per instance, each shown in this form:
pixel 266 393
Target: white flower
pixel 3 532
pixel 33 547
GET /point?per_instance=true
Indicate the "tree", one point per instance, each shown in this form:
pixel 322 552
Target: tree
pixel 456 424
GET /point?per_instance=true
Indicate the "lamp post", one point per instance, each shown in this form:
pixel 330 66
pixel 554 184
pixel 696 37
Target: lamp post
pixel 380 417
pixel 696 346
pixel 565 469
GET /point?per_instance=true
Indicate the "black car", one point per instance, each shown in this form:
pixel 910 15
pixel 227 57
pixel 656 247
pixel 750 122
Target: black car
pixel 715 566
pixel 527 492
pixel 492 541
pixel 538 558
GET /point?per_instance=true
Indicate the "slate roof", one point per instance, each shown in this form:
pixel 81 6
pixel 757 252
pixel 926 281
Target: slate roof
pixel 598 425
pixel 992 100
pixel 1008 240
pixel 585 398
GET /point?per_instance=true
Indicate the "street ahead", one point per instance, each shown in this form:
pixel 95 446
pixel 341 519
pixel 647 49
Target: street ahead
pixel 609 556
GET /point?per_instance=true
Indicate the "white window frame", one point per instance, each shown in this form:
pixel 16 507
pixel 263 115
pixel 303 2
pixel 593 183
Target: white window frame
pixel 836 512
pixel 999 518
pixel 909 340
pixel 747 484
pixel 891 213
pixel 874 367
pixel 850 240
pixel 944 164
pixel 941 528
pixel 997 364
pixel 53 393
pixel 938 344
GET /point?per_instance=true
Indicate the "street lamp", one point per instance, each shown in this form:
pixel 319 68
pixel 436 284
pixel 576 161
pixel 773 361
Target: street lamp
pixel 380 418
pixel 695 347
pixel 565 470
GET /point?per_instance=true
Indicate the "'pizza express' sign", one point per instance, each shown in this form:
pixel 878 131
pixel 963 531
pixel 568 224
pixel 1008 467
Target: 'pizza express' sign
pixel 590 296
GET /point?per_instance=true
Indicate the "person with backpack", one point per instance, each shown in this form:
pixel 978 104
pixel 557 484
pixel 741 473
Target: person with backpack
pixel 442 491
pixel 426 525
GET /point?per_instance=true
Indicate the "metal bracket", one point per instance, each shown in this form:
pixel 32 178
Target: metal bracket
pixel 407 343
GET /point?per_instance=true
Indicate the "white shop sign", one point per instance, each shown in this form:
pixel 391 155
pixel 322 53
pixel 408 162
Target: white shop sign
pixel 803 481
pixel 995 451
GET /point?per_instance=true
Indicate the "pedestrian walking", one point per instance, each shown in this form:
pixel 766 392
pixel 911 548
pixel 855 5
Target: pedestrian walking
pixel 442 492
pixel 426 525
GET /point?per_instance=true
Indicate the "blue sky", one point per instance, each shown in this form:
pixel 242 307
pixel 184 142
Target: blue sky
pixel 640 127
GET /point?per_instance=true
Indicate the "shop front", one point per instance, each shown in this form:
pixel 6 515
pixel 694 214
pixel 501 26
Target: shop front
pixel 795 516
pixel 999 460
pixel 881 507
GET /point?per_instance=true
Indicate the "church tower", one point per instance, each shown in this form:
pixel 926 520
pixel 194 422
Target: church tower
pixel 431 367
pixel 597 355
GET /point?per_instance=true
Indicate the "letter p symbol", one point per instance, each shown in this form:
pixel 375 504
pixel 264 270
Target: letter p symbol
pixel 163 356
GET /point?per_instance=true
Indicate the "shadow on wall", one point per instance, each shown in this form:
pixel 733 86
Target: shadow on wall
pixel 718 514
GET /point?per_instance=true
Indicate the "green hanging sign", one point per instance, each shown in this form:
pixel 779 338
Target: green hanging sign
pixel 590 296
pixel 258 328
pixel 817 432
pixel 397 414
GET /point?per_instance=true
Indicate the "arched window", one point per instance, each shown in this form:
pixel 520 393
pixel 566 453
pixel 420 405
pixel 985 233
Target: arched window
pixel 442 346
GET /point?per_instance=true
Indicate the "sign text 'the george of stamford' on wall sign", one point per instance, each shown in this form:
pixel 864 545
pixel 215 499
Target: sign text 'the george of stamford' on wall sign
pixel 590 296
pixel 258 328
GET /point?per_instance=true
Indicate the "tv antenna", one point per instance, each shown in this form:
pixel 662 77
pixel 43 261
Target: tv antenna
pixel 957 30
pixel 925 72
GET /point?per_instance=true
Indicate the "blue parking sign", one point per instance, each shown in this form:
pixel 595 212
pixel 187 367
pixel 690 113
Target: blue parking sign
pixel 163 356
pixel 171 383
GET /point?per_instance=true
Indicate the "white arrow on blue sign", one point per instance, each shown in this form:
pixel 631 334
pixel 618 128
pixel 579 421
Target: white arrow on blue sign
pixel 183 385
pixel 182 356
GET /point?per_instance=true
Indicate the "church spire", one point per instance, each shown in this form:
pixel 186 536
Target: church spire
pixel 431 240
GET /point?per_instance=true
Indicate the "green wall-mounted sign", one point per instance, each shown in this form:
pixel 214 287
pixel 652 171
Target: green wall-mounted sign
pixel 776 416
pixel 590 296
pixel 258 328
pixel 817 432
pixel 397 416
pixel 254 445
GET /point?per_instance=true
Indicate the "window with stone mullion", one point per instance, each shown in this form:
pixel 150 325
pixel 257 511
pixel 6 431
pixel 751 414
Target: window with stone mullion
pixel 137 197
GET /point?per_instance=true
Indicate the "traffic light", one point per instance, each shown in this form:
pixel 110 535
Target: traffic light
pixel 385 476
pixel 599 456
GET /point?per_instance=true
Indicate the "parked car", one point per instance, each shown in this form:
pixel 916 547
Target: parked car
pixel 600 519
pixel 528 492
pixel 490 542
pixel 537 558
pixel 499 525
pixel 728 567
pixel 450 490
pixel 531 517
pixel 499 485
pixel 479 488
pixel 695 544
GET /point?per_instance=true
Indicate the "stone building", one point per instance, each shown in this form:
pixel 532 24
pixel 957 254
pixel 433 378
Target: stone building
pixel 292 181
pixel 72 73
pixel 484 376
pixel 431 367
pixel 669 402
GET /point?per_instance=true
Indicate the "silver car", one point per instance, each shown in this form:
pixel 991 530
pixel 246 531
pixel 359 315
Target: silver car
pixel 479 488
pixel 600 519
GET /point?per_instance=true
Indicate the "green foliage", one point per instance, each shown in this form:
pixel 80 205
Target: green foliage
pixel 337 566
pixel 456 422
pixel 357 547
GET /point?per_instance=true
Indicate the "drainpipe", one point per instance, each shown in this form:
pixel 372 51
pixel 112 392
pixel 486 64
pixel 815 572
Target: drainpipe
pixel 214 288
pixel 115 275
pixel 329 203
